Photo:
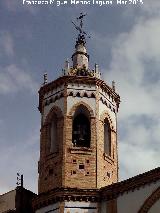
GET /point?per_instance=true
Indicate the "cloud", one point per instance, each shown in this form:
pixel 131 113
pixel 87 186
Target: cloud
pixel 17 5
pixel 151 7
pixel 135 66
pixel 14 79
pixel 22 158
pixel 6 44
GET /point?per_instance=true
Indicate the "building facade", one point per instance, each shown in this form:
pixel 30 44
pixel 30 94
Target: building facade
pixel 78 166
pixel 18 200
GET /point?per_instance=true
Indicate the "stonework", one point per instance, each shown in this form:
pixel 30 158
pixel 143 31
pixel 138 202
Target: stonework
pixel 78 166
pixel 71 166
pixel 74 152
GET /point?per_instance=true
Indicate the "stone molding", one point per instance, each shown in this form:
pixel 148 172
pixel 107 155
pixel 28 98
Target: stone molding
pixel 150 201
pixel 112 108
pixel 65 194
pixel 114 190
pixel 56 110
pixel 105 115
pixel 107 193
pixel 53 98
pixel 81 94
pixel 65 80
pixel 74 107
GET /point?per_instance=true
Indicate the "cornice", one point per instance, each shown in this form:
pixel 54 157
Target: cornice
pixel 65 80
pixel 96 195
pixel 65 194
pixel 131 184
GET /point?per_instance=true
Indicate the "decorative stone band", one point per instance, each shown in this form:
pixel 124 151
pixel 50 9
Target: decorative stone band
pixel 113 191
pixel 65 80
pixel 80 150
pixel 65 194
pixel 80 52
pixel 107 193
pixel 54 98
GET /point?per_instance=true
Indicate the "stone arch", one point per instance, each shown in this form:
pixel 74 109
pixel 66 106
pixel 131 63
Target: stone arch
pixel 52 131
pixel 107 126
pixel 150 201
pixel 81 126
pixel 74 107
pixel 105 115
pixel 56 110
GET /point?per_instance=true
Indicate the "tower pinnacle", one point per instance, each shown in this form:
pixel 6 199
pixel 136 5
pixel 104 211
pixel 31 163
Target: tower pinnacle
pixel 80 57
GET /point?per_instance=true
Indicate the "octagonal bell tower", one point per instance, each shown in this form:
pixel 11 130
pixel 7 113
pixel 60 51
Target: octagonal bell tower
pixel 78 143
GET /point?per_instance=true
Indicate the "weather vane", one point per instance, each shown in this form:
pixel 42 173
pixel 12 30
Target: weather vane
pixel 82 33
pixel 19 180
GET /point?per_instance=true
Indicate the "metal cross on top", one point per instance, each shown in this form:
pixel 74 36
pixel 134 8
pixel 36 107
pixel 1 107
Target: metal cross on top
pixel 80 27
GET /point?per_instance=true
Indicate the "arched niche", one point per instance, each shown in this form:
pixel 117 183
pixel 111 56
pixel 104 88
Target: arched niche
pixel 53 130
pixel 109 134
pixel 107 137
pixel 53 143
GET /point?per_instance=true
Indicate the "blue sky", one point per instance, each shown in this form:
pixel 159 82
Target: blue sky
pixel 125 42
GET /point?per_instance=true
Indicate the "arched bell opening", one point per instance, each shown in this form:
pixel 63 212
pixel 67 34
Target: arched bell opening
pixel 107 137
pixel 81 132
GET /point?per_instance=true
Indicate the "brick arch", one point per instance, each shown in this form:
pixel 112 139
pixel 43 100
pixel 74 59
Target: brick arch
pixel 74 107
pixel 105 115
pixel 56 110
pixel 150 201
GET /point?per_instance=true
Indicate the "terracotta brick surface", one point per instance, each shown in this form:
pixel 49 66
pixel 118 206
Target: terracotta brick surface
pixel 75 166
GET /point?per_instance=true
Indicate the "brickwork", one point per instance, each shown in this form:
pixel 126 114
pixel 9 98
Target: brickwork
pixel 50 164
pixel 107 165
pixel 73 109
pixel 77 167
pixel 80 162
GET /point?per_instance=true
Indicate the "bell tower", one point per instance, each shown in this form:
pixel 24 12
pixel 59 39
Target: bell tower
pixel 78 142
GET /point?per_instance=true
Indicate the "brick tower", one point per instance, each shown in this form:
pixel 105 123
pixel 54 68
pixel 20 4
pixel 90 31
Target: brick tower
pixel 78 143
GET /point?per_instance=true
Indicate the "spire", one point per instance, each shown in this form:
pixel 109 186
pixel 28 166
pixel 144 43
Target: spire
pixel 80 57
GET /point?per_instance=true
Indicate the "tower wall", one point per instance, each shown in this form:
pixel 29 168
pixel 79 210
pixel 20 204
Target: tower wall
pixel 50 165
pixel 78 143
pixel 107 163
pixel 72 165
pixel 80 57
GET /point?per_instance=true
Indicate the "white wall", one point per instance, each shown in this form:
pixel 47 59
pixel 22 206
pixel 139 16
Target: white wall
pixel 81 207
pixel 59 103
pixel 54 91
pixel 81 88
pixel 51 208
pixel 7 201
pixel 71 101
pixel 85 87
pixel 131 202
pixel 72 207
